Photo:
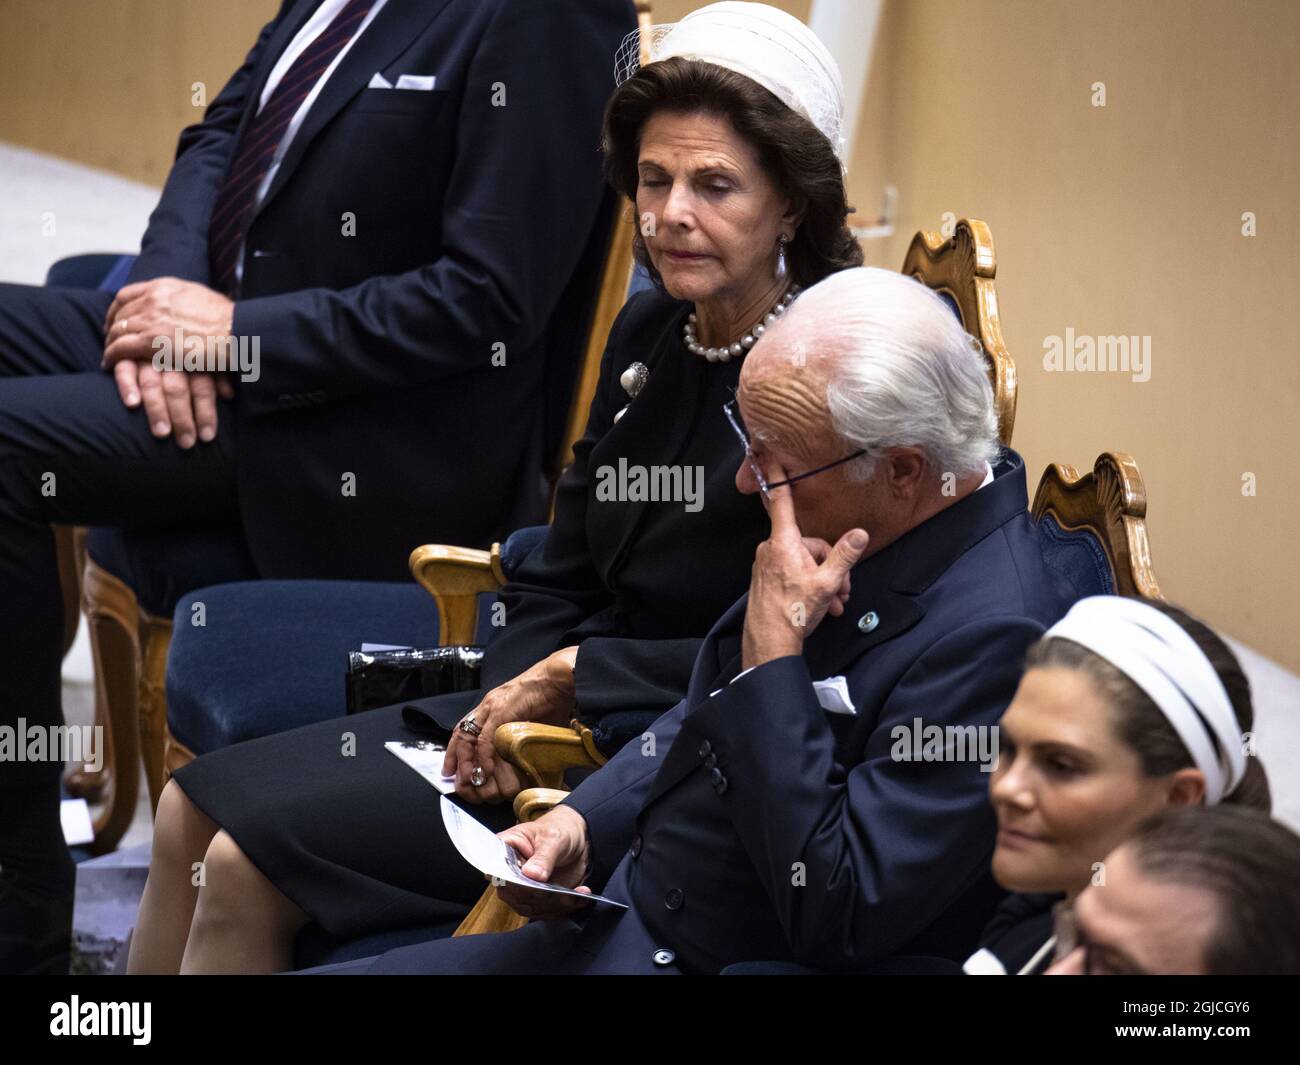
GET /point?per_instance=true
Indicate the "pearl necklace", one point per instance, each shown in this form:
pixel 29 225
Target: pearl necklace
pixel 729 351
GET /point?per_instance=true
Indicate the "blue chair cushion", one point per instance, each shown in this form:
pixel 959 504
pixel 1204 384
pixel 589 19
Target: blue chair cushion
pixel 106 271
pixel 948 299
pixel 1077 555
pixel 519 545
pixel 290 641
pixel 161 565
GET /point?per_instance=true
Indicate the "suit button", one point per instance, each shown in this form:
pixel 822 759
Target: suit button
pixel 716 777
pixel 674 899
pixel 705 748
pixel 663 957
pixel 710 761
pixel 636 846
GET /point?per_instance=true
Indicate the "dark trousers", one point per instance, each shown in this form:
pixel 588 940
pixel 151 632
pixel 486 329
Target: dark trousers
pixel 70 453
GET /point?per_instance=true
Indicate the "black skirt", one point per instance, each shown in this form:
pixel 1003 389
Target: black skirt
pixel 354 840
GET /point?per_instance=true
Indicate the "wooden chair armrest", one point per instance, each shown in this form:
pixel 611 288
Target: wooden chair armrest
pixel 531 804
pixel 455 576
pixel 542 753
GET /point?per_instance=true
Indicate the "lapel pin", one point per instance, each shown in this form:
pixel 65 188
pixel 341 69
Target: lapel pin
pixel 868 621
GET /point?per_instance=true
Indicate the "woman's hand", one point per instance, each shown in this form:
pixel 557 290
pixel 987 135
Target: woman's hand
pixel 543 693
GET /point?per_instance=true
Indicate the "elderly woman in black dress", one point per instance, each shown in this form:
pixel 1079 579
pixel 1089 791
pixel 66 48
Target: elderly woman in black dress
pixel 729 146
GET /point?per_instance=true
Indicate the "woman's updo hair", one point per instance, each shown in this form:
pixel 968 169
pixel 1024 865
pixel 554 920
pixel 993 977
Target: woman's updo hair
pixel 795 154
pixel 1140 723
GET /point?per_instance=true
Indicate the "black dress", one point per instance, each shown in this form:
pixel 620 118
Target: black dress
pixel 1016 933
pixel 354 837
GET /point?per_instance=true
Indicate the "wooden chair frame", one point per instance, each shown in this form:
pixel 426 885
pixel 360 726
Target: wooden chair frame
pixel 1111 503
pixel 963 267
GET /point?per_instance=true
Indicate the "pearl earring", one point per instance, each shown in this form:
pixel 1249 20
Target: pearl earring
pixel 780 257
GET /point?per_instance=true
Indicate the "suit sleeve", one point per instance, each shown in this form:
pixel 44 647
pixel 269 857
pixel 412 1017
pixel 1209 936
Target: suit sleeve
pixel 175 244
pixel 886 848
pixel 609 800
pixel 523 194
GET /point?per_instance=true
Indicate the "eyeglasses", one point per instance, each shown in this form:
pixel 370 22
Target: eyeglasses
pixel 732 410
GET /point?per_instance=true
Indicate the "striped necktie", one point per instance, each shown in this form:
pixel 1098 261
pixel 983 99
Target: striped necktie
pixel 237 196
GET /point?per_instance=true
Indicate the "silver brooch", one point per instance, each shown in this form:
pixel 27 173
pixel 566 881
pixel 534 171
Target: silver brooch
pixel 632 379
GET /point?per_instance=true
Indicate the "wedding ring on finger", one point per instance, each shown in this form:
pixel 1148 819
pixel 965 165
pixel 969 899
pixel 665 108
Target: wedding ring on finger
pixel 121 324
pixel 478 777
pixel 470 727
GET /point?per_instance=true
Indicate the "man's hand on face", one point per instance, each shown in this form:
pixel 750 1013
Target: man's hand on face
pixel 175 402
pixel 555 849
pixel 796 581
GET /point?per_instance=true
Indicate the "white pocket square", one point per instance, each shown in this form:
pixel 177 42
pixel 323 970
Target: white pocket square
pixel 378 81
pixel 420 82
pixel 833 695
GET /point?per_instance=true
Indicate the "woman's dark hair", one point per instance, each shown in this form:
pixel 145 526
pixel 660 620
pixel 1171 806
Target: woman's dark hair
pixel 795 154
pixel 1249 863
pixel 1139 721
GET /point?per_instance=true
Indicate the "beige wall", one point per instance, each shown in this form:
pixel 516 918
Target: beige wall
pixel 110 82
pixel 1115 220
pixel 1127 220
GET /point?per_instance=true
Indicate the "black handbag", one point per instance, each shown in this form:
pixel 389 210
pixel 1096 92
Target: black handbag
pixel 381 678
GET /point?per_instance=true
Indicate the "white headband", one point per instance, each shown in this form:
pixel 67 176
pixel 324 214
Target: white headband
pixel 765 45
pixel 1158 655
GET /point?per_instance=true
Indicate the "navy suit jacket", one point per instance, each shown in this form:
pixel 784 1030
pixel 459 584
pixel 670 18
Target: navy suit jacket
pixel 758 826
pixel 480 220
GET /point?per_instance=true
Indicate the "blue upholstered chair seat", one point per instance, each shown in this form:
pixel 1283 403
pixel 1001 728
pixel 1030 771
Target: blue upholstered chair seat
pixel 271 655
pixel 1078 556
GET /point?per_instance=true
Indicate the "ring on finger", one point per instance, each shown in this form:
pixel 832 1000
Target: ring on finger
pixel 478 777
pixel 469 726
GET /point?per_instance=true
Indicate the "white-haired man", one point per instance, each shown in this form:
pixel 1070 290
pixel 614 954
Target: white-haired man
pixel 817 799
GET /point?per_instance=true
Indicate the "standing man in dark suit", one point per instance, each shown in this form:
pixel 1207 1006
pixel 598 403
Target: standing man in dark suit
pixel 370 259
pixel 796 806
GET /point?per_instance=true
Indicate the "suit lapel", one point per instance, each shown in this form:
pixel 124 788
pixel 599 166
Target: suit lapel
pixel 396 27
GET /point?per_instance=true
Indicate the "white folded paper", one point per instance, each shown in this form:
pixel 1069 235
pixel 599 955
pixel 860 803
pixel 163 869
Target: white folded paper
pixel 426 759
pixel 487 853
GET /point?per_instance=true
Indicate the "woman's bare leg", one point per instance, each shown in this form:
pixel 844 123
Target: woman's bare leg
pixel 242 923
pixel 181 835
